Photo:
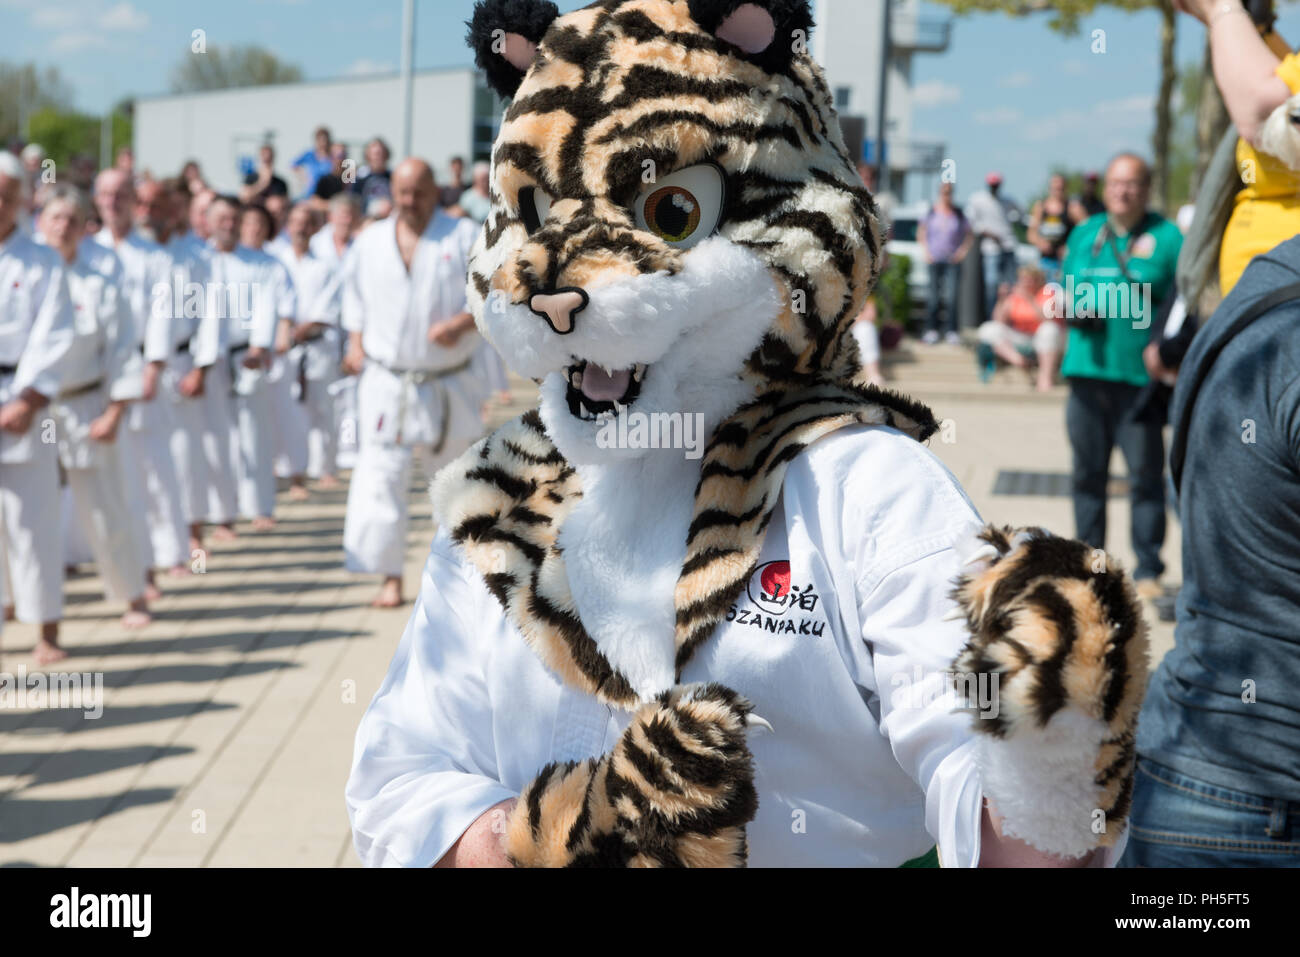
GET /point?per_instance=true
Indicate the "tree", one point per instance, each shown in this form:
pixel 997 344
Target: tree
pixel 1066 16
pixel 24 89
pixel 220 68
pixel 66 133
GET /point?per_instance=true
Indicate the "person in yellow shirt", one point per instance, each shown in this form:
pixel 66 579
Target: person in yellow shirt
pixel 1257 76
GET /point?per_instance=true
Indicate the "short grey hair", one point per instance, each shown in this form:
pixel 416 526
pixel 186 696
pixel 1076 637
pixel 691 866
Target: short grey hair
pixel 351 200
pixel 63 193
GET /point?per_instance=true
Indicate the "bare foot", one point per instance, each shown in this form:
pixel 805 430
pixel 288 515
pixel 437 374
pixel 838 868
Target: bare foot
pixel 134 619
pixel 298 493
pixel 225 533
pixel 328 483
pixel 390 594
pixel 179 571
pixel 152 592
pixel 263 523
pixel 47 653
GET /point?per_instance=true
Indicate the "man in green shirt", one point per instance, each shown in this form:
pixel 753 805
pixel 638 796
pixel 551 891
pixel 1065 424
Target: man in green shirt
pixel 1118 270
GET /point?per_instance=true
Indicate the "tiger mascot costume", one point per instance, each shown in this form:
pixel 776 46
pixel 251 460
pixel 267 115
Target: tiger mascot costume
pixel 702 660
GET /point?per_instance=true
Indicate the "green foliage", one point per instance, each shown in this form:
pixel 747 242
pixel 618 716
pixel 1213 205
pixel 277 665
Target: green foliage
pixel 1065 14
pixel 220 68
pixel 64 133
pixel 24 88
pixel 893 295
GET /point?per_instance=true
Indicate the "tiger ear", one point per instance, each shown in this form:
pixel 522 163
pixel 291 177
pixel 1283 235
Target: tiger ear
pixel 767 32
pixel 504 35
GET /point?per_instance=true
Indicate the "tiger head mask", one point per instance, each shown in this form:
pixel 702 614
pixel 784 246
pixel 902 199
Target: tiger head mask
pixel 676 229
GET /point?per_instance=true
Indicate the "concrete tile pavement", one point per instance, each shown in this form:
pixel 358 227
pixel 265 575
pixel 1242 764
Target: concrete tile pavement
pixel 226 737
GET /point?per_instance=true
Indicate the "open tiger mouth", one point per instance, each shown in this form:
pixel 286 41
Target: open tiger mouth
pixel 595 391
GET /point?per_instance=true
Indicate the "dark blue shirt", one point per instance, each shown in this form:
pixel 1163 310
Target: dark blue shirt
pixel 1224 705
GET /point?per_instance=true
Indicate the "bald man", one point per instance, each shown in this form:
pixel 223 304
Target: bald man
pixel 411 340
pixel 36 337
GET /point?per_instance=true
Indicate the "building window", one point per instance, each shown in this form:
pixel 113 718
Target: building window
pixel 842 94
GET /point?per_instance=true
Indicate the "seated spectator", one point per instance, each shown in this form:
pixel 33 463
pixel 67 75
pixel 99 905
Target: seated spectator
pixel 1022 329
pixel 263 182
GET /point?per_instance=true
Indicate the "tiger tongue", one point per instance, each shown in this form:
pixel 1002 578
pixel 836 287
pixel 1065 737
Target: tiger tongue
pixel 601 386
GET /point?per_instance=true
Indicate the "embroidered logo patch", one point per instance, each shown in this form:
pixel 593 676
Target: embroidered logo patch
pixel 772 589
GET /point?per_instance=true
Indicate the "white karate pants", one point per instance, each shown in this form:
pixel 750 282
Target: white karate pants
pixel 374 529
pixel 153 486
pixel 253 449
pixel 99 504
pixel 288 417
pixel 218 408
pixel 31 524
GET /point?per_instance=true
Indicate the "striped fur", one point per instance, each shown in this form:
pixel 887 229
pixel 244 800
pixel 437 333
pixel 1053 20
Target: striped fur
pixel 613 87
pixel 677 791
pixel 1059 625
pixel 505 500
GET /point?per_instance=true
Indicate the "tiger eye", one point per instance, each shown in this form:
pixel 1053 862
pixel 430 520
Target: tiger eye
pixel 672 213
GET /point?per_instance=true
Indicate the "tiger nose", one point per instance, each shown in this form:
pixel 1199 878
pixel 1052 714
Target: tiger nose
pixel 558 308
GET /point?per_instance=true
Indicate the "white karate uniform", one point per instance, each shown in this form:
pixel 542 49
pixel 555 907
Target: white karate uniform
pixel 304 405
pixel 218 502
pixel 344 388
pixel 412 400
pixel 36 336
pixel 867 766
pixel 260 293
pixel 159 483
pixel 104 365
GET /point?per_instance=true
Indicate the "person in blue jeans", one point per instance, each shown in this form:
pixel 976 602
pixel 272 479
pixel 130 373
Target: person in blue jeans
pixel 1218 740
pixel 945 238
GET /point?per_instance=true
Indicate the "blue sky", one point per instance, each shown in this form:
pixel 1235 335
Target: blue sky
pixel 1008 95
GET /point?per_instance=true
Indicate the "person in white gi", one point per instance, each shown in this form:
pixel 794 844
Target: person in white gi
pixel 153 481
pixel 103 374
pixel 36 334
pixel 208 383
pixel 412 340
pixel 330 244
pixel 870 763
pixel 257 296
pixel 313 362
pixel 155 219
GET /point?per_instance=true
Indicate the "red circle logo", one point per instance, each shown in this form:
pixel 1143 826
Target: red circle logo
pixel 769 588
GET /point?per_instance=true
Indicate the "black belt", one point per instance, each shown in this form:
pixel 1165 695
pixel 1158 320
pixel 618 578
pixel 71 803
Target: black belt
pixel 183 347
pixel 8 370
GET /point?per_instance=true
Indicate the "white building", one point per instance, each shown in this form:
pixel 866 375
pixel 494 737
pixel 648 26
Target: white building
pixel 453 115
pixel 849 42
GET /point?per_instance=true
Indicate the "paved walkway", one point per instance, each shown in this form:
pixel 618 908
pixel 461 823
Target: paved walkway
pixel 226 735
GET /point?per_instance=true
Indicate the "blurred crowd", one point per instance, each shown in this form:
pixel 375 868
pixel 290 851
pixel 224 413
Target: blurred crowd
pixel 168 352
